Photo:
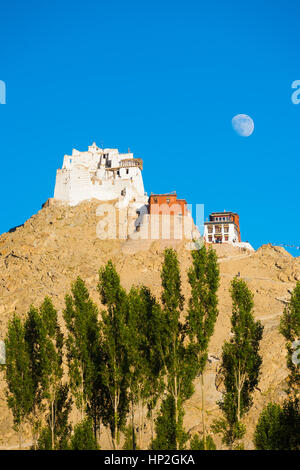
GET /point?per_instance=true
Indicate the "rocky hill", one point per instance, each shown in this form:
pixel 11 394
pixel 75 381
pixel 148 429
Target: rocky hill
pixel 57 244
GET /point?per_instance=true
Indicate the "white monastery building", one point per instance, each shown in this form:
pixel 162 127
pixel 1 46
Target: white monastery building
pixel 224 227
pixel 103 174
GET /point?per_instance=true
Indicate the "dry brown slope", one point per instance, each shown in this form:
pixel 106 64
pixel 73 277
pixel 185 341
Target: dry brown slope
pixel 59 243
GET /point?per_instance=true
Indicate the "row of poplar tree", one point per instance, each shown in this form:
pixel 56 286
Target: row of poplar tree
pixel 140 354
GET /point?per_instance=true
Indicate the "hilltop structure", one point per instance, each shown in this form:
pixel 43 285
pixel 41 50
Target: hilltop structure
pixel 167 204
pixel 224 227
pixel 107 175
pixel 103 174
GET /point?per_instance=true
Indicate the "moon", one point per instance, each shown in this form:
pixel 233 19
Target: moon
pixel 243 125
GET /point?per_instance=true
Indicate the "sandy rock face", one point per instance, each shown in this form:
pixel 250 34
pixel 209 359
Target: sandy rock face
pixel 46 254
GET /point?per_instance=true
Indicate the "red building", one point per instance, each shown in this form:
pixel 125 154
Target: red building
pixel 165 204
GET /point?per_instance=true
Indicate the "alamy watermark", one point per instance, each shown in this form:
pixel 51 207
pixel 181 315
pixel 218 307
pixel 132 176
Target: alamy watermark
pixel 2 92
pixel 296 94
pixel 164 222
pixel 2 353
pixel 296 353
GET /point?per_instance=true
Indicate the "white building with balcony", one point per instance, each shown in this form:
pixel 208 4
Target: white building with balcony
pixel 224 227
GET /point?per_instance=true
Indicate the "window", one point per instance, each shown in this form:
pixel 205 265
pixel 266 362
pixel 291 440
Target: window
pixel 210 238
pixel 226 238
pixel 127 171
pixel 226 228
pixel 155 200
pixel 168 200
pixel 210 229
pixel 118 172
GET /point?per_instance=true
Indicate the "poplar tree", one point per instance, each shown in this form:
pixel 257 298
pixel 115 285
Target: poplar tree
pixel 203 311
pixel 241 364
pixel 177 359
pixel 98 399
pixel 81 317
pixel 52 367
pixel 290 329
pixel 36 342
pixel 114 329
pixel 144 341
pixel 20 393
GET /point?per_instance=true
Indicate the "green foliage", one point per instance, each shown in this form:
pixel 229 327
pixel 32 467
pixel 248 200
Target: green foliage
pixel 170 434
pixel 268 432
pixel 52 370
pixel 290 329
pixel 199 444
pixel 278 427
pixel 35 337
pixel 62 408
pixel 241 363
pixel 116 339
pixel 57 437
pixel 230 431
pixel 145 338
pixel 204 280
pixel 130 443
pixel 81 317
pixel 45 439
pixel 20 393
pixel 83 437
pixel 36 341
pixel 177 358
pixel 202 313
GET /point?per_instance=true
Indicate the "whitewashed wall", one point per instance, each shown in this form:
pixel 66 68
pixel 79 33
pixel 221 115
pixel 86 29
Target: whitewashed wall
pixel 84 176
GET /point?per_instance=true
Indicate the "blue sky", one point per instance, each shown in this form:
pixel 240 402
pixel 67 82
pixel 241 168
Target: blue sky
pixel 165 79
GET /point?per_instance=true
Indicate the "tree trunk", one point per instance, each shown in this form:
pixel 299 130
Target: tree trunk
pixel 176 410
pixel 81 393
pixel 20 436
pixel 140 407
pixel 239 396
pixel 114 437
pixel 52 425
pixel 133 427
pixel 203 414
pixel 34 430
pixel 99 433
pixel 152 425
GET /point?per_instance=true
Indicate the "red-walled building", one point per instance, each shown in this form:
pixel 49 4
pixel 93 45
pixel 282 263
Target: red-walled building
pixel 165 204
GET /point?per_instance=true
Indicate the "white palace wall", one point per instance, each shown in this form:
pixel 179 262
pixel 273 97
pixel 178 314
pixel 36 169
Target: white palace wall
pixel 103 174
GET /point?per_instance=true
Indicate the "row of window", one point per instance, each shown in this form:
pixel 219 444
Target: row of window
pixel 220 219
pixel 218 228
pixel 218 239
